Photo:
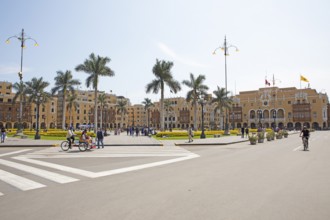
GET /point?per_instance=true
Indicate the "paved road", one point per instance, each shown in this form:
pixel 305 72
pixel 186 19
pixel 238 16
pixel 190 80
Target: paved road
pixel 274 180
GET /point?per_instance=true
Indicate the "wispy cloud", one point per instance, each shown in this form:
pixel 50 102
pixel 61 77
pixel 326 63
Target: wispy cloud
pixel 169 52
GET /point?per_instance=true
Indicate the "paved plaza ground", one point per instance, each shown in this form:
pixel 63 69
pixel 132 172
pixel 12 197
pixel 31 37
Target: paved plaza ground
pixel 124 140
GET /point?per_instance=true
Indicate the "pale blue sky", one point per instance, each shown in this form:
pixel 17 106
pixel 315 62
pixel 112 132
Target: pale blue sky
pixel 281 37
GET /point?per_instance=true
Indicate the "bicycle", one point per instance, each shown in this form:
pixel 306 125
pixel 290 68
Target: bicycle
pixel 81 145
pixel 305 143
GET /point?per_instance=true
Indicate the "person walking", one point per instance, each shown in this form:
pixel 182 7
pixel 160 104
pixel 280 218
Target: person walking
pixel 242 131
pixel 247 132
pixel 190 134
pixel 100 136
pixel 3 134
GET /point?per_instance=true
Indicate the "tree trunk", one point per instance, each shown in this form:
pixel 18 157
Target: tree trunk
pixel 20 126
pixel 95 110
pixel 121 119
pixel 63 111
pixel 101 119
pixel 162 107
pixel 70 115
pixel 148 112
pixel 195 115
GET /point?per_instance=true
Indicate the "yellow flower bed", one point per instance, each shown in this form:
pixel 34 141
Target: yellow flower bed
pixel 196 133
pixel 50 132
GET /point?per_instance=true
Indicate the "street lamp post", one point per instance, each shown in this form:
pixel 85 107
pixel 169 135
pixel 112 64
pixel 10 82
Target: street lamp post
pixel 233 121
pixel 22 38
pixel 202 102
pixel 274 116
pixel 38 101
pixel 259 116
pixel 225 48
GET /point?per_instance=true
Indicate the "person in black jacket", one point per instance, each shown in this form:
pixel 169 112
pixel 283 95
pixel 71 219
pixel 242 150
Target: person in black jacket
pixel 100 136
pixel 242 131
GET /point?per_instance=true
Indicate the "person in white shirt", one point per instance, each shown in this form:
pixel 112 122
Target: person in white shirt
pixel 70 136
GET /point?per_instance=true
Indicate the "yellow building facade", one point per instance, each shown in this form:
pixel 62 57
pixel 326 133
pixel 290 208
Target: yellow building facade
pixel 268 107
pixel 289 108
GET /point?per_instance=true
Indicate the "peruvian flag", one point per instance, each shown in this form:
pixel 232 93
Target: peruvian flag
pixel 267 83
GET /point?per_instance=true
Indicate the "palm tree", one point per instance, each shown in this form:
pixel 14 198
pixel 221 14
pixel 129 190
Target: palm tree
pixel 37 94
pixel 147 105
pixel 162 71
pixel 198 89
pixel 222 101
pixel 72 103
pixel 121 108
pixel 103 102
pixel 95 66
pixel 21 94
pixel 64 83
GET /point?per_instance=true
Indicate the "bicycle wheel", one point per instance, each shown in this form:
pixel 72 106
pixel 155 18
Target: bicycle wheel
pixel 82 146
pixel 65 145
pixel 305 144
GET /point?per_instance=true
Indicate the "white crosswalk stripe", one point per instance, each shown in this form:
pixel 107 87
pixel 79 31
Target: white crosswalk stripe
pixel 58 167
pixel 137 151
pixel 19 182
pixel 39 172
pixel 14 152
pixel 176 154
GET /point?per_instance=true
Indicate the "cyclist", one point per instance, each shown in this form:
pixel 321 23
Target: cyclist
pixel 70 136
pixel 304 134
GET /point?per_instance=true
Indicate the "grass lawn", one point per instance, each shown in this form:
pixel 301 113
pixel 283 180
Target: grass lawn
pixel 45 137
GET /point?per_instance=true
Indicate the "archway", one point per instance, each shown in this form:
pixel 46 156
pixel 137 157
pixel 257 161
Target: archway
pixel 297 126
pixel 25 125
pixel 266 125
pixel 16 125
pixel 273 125
pixel 8 125
pixel 253 125
pixel 43 125
pixel 307 124
pixel 315 126
pixel 252 114
pixel 280 125
pixel 280 113
pixel 290 126
pixel 266 114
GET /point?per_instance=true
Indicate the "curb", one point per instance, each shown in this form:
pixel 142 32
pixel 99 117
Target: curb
pixel 109 145
pixel 30 145
pixel 132 145
pixel 209 144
